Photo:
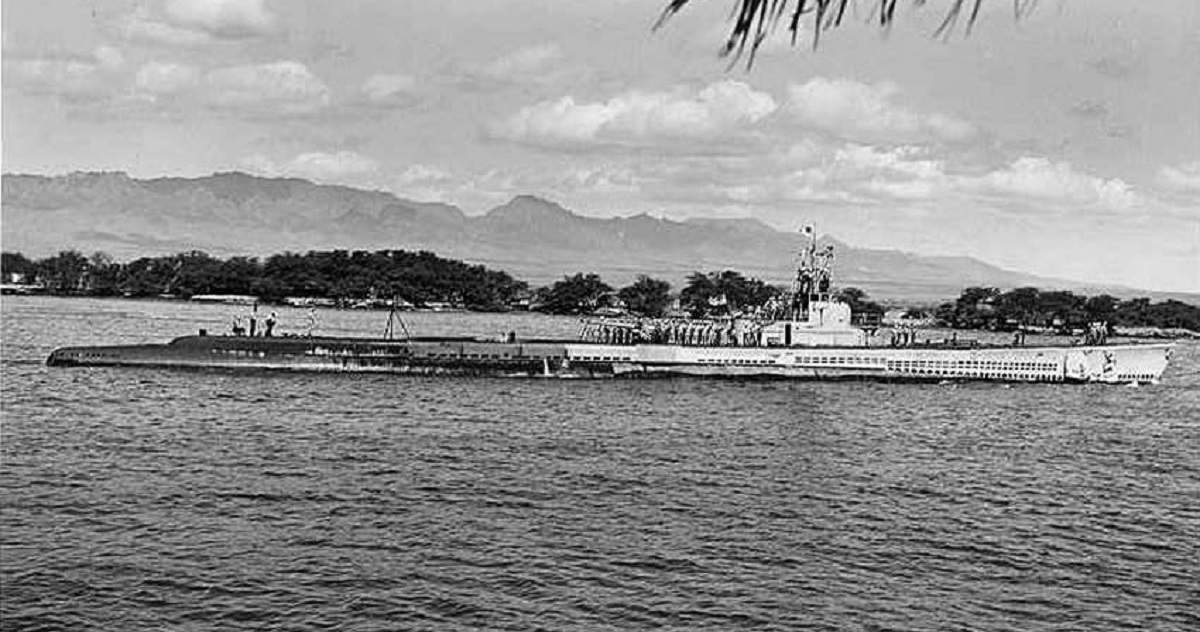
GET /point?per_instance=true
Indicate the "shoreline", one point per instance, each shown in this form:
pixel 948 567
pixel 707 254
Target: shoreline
pixel 1122 332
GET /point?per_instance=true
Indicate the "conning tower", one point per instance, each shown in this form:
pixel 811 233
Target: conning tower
pixel 813 316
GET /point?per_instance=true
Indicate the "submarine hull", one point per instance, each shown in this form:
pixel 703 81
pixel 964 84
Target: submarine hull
pixel 1134 363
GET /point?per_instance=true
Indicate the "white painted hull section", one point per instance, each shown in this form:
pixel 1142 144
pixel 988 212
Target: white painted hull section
pixel 1113 364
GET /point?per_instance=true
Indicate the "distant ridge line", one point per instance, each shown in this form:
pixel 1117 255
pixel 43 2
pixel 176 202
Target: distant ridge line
pixel 533 238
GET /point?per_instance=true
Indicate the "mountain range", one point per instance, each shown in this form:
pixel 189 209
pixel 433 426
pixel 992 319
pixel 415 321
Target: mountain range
pixel 534 239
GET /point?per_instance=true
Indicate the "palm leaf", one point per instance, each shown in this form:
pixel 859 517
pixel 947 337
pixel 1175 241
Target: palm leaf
pixel 755 20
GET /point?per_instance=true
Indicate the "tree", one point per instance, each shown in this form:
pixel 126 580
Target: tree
pixel 198 273
pixel 1062 309
pixel 238 275
pixel 1021 306
pixel 722 293
pixel 946 315
pixel 1174 314
pixel 295 274
pixel 1135 311
pixel 646 296
pixel 979 308
pixel 17 263
pixel 64 272
pixel 103 275
pixel 973 309
pixel 149 276
pixel 699 294
pixel 755 20
pixel 858 301
pixel 1102 308
pixel 578 294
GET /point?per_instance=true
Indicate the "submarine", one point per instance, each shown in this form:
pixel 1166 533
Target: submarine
pixel 808 334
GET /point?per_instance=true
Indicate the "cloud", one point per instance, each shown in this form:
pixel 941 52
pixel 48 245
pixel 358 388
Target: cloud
pixel 905 178
pixel 810 172
pixel 1114 66
pixel 858 111
pixel 317 166
pixel 639 116
pixel 522 62
pixel 140 27
pixel 426 182
pixel 73 77
pixel 851 173
pixel 109 57
pixel 590 181
pixel 1184 177
pixel 585 186
pixel 531 64
pixel 423 174
pixel 602 180
pixel 1041 179
pixel 283 87
pixel 1089 109
pixel 905 160
pixel 64 76
pixel 396 89
pixel 902 190
pixel 221 18
pixel 198 22
pixel 159 78
pixel 900 173
pixel 274 89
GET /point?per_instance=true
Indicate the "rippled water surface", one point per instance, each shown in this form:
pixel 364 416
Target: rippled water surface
pixel 205 500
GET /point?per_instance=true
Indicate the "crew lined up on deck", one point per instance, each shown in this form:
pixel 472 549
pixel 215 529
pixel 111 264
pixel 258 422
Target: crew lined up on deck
pixel 674 332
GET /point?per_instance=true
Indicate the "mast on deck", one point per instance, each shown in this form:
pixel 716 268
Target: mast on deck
pixel 813 276
pixel 395 320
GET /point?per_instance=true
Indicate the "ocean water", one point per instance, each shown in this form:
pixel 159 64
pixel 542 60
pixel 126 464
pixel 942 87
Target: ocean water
pixel 137 499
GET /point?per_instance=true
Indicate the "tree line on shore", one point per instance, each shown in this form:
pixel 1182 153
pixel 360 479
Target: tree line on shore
pixel 704 295
pixel 1060 310
pixel 423 278
pixel 418 277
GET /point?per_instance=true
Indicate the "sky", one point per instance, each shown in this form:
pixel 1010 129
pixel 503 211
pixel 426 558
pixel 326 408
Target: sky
pixel 1065 143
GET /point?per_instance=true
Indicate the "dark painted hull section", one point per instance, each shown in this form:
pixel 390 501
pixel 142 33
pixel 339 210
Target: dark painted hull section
pixel 435 356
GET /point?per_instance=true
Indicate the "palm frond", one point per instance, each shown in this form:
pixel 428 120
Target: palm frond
pixel 753 21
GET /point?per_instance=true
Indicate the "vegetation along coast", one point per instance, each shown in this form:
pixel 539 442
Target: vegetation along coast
pixel 424 280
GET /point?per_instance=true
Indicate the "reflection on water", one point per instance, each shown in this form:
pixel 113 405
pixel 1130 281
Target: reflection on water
pixel 146 499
